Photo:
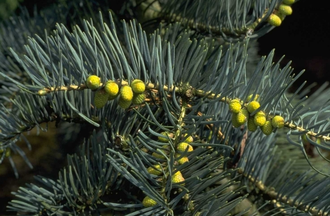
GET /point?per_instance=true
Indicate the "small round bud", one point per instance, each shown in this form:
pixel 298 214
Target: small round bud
pixel 189 139
pixel 278 121
pixel 126 93
pixel 138 98
pixel 253 106
pixel 42 92
pixel 267 128
pixel 111 88
pixel 235 106
pixel 288 2
pixel 138 86
pixel 177 177
pixel 163 139
pixel 234 121
pixel 242 116
pixel 100 98
pixel 251 125
pixel 182 160
pixel 249 98
pixel 148 202
pixel 274 20
pixel 260 118
pixel 155 170
pixel 183 146
pixel 93 82
pixel 285 9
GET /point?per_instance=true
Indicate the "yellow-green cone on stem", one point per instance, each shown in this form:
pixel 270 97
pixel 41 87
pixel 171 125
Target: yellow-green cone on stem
pixel 189 139
pixel 234 120
pixel 93 82
pixel 126 93
pixel 111 88
pixel 235 106
pixel 138 98
pixel 183 146
pixel 148 202
pixel 138 86
pixel 274 20
pixel 256 97
pixel 260 118
pixel 155 170
pixel 253 106
pixel 183 159
pixel 163 139
pixel 242 116
pixel 267 128
pixel 285 9
pixel 177 177
pixel 100 98
pixel 278 121
pixel 251 125
pixel 288 2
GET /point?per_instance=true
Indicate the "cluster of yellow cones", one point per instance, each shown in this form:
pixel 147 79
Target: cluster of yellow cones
pixel 128 94
pixel 182 149
pixel 280 13
pixel 242 114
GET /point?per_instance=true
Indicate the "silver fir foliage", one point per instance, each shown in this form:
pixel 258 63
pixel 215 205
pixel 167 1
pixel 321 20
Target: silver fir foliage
pixel 198 56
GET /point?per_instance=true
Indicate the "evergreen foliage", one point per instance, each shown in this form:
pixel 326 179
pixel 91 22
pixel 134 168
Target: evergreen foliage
pixel 178 150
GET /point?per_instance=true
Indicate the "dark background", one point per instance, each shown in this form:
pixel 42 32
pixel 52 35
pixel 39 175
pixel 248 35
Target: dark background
pixel 304 38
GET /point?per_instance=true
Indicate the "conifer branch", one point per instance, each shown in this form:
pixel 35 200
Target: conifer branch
pixel 186 91
pixel 244 32
pixel 173 152
pixel 226 28
pixel 278 200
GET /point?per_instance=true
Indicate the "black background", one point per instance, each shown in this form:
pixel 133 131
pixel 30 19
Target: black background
pixel 304 38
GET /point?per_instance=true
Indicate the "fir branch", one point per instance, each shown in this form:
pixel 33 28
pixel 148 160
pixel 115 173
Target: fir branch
pixel 215 83
pixel 189 84
pixel 285 187
pixel 282 201
pixel 244 21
